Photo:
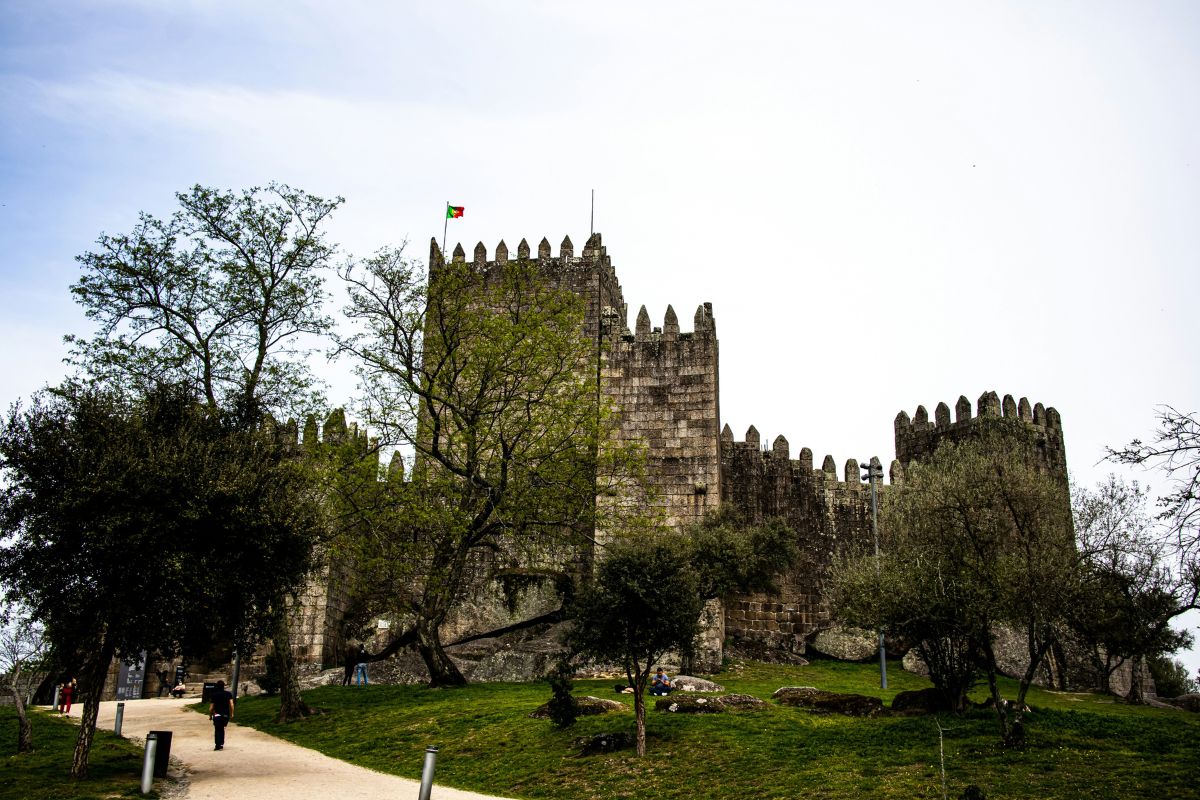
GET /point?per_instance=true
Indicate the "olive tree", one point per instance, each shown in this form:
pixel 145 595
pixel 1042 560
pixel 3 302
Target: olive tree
pixel 977 536
pixel 644 602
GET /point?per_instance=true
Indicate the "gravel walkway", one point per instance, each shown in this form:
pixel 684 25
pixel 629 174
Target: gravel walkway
pixel 255 765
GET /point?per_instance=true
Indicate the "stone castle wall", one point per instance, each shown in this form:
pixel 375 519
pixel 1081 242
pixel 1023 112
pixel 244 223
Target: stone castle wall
pixel 664 386
pixel 917 438
pixel 828 514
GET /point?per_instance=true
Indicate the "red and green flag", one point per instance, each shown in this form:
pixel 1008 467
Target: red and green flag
pixel 454 212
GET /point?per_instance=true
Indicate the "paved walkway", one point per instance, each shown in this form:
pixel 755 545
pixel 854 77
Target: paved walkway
pixel 255 765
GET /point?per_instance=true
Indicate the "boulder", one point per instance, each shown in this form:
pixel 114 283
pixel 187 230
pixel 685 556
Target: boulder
pixel 922 701
pixel 686 683
pixel 1188 702
pixel 709 705
pixel 852 705
pixel 511 665
pixel 913 663
pixel 741 702
pixel 846 644
pixel 688 705
pixel 587 706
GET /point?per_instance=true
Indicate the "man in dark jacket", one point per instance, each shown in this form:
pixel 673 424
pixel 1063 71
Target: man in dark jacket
pixel 220 711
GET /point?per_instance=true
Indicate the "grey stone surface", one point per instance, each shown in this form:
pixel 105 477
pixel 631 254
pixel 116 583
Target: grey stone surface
pixel 588 706
pixel 852 705
pixel 687 683
pixel 846 644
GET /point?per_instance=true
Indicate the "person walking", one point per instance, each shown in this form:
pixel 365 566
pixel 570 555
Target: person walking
pixel 360 669
pixel 220 711
pixel 64 696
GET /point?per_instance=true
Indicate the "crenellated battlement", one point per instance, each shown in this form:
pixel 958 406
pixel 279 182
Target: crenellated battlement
pixel 703 327
pixel 594 254
pixel 918 436
pixel 802 466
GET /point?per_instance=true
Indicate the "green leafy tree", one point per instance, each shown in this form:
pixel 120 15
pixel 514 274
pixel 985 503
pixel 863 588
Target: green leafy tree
pixel 147 524
pixel 218 297
pixel 1171 677
pixel 1132 582
pixel 223 297
pixel 489 381
pixel 644 602
pixel 730 556
pixel 983 531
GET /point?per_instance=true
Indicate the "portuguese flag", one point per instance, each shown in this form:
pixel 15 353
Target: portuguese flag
pixel 454 212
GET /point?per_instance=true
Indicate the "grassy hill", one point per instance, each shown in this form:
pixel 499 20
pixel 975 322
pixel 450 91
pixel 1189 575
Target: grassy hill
pixel 1079 745
pixel 114 768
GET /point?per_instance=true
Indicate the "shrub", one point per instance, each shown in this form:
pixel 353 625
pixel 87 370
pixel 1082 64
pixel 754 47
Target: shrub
pixel 562 706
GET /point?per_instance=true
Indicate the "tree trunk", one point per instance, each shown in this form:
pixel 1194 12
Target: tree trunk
pixel 442 671
pixel 1135 695
pixel 291 706
pixel 24 729
pixel 92 688
pixel 639 712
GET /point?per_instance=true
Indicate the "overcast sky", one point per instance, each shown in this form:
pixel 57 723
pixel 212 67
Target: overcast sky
pixel 887 204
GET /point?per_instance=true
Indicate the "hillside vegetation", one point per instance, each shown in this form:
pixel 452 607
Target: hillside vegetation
pixel 1080 745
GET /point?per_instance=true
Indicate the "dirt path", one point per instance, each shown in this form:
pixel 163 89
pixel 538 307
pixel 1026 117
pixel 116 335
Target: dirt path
pixel 255 765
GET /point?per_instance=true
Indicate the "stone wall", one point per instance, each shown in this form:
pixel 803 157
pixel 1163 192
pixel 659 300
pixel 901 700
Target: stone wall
pixel 827 513
pixel 664 385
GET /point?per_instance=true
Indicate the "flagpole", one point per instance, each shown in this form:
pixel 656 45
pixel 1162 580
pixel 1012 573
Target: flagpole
pixel 592 221
pixel 445 224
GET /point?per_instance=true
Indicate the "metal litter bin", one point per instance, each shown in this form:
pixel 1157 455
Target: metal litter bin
pixel 162 753
pixel 206 694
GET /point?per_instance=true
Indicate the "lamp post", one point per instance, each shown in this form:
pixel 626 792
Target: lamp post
pixel 872 472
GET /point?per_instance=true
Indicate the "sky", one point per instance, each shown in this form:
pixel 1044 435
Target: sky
pixel 887 204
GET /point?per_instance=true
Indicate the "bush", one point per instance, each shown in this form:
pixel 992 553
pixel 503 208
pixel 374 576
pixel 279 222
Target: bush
pixel 272 677
pixel 562 706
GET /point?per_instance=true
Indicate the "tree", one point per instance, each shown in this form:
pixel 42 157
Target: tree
pixel 218 297
pixel 982 530
pixel 485 376
pixel 219 522
pixel 22 650
pixel 1175 450
pixel 1171 677
pixel 1132 585
pixel 643 603
pixel 916 590
pixel 730 556
pixel 222 298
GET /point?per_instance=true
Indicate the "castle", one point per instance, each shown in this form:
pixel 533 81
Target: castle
pixel 665 384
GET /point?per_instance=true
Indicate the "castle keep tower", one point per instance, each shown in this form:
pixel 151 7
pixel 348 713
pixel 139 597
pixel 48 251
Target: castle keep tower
pixel 662 381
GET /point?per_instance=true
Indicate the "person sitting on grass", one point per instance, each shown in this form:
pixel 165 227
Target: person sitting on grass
pixel 661 686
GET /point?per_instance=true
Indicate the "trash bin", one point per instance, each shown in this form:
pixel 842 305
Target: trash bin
pixel 206 694
pixel 162 753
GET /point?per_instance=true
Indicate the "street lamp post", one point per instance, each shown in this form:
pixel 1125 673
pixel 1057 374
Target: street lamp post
pixel 872 472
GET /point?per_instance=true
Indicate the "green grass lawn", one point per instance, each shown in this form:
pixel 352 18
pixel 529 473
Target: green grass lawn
pixel 1079 745
pixel 115 766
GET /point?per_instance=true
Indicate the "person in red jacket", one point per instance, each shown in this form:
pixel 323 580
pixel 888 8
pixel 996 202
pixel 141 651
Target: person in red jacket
pixel 65 695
